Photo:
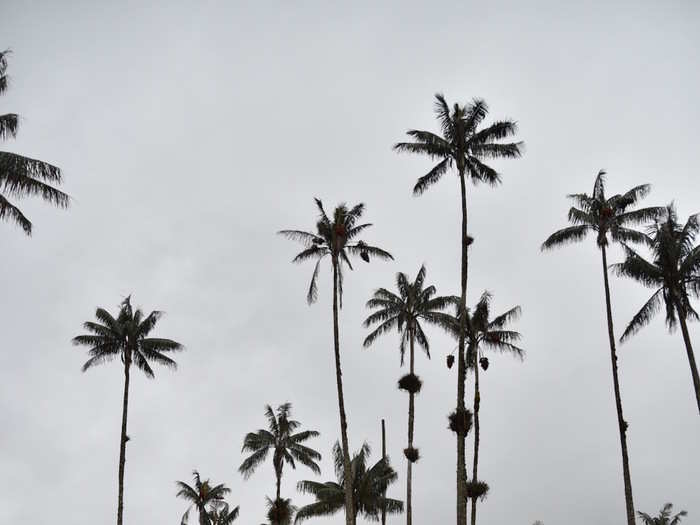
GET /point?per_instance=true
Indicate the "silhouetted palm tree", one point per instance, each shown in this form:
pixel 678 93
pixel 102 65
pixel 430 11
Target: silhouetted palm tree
pixel 664 518
pixel 284 442
pixel 336 237
pixel 405 311
pixel 675 273
pixel 21 176
pixel 464 146
pixel 280 511
pixel 608 217
pixel 223 515
pixel 205 498
pixel 368 489
pixel 126 337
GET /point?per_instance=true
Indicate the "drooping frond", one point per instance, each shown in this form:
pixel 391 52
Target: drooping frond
pixel 566 235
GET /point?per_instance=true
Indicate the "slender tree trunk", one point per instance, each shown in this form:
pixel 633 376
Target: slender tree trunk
pixel 349 509
pixel 689 350
pixel 411 415
pixel 279 482
pixel 384 459
pixel 122 442
pixel 477 402
pixel 621 423
pixel 461 366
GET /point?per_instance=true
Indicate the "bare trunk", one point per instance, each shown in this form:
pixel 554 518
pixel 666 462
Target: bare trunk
pixel 689 350
pixel 349 509
pixel 122 442
pixel 411 415
pixel 383 458
pixel 621 423
pixel 477 402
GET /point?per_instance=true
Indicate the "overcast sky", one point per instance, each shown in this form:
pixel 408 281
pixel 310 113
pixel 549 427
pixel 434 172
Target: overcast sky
pixel 190 134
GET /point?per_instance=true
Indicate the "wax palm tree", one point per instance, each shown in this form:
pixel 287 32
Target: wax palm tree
pixel 368 489
pixel 609 218
pixel 285 443
pixel 126 337
pixel 404 311
pixel 21 176
pixel 207 499
pixel 465 147
pixel 665 517
pixel 336 237
pixel 280 511
pixel 675 273
pixel 223 515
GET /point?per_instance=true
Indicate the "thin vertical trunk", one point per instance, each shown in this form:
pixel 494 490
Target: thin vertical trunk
pixel 411 415
pixel 621 423
pixel 349 509
pixel 279 482
pixel 384 459
pixel 477 402
pixel 122 443
pixel 689 350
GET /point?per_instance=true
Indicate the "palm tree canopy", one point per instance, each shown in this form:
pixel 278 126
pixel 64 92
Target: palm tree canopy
pixel 674 270
pixel 22 176
pixel 223 515
pixel 369 485
pixel 664 518
pixel 126 336
pixel 282 439
pixel 405 310
pixel 280 511
pixel 462 144
pixel 337 236
pixel 605 216
pixel 204 497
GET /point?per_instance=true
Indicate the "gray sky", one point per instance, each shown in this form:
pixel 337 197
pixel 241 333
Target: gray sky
pixel 189 135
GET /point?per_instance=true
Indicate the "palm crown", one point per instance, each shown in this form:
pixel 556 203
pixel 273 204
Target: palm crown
pixel 336 236
pixel 206 498
pixel 665 517
pixel 462 144
pixel 223 515
pixel 21 176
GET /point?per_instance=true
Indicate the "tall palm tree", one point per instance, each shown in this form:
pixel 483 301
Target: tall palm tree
pixel 223 515
pixel 126 337
pixel 664 518
pixel 205 498
pixel 22 176
pixel 404 311
pixel 675 273
pixel 336 237
pixel 609 218
pixel 285 443
pixel 464 146
pixel 368 489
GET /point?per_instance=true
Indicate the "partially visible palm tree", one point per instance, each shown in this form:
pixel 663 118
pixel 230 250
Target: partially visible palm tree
pixel 404 311
pixel 205 498
pixel 368 489
pixel 465 147
pixel 21 176
pixel 608 217
pixel 280 511
pixel 337 237
pixel 223 515
pixel 664 518
pixel 675 273
pixel 283 441
pixel 126 337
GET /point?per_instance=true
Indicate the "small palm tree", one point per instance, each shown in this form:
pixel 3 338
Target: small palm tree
pixel 126 337
pixel 336 237
pixel 280 511
pixel 223 515
pixel 675 273
pixel 664 518
pixel 285 444
pixel 368 489
pixel 404 311
pixel 608 217
pixel 205 498
pixel 462 145
pixel 21 176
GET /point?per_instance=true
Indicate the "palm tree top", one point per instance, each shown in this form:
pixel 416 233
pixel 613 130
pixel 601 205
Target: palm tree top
pixel 605 216
pixel 204 496
pixel 462 144
pixel 664 518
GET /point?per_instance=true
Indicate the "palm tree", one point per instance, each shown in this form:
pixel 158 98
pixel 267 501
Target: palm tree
pixel 368 489
pixel 404 311
pixel 22 176
pixel 285 444
pixel 336 237
pixel 664 517
pixel 223 515
pixel 126 337
pixel 206 498
pixel 675 273
pixel 464 146
pixel 280 511
pixel 608 217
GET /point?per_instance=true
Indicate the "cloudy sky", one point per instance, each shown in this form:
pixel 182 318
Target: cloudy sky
pixel 190 133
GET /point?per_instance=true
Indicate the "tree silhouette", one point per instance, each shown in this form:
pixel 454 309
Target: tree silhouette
pixel 664 518
pixel 207 500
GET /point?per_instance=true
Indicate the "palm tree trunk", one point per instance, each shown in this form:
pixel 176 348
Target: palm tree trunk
pixel 122 443
pixel 461 367
pixel 477 402
pixel 411 415
pixel 384 459
pixel 621 423
pixel 279 482
pixel 349 509
pixel 689 350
